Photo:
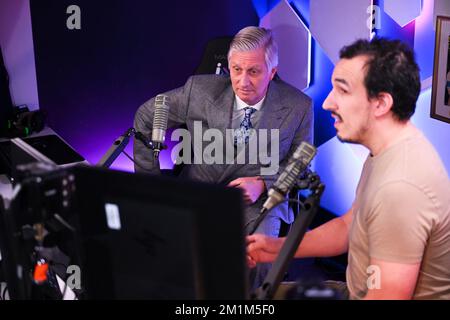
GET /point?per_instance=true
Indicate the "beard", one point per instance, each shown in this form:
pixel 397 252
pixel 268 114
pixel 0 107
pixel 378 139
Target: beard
pixel 348 140
pixel 358 136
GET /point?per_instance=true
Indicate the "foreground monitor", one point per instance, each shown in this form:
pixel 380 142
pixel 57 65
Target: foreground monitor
pixel 151 237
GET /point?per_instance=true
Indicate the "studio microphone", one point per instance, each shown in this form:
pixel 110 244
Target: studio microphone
pixel 160 119
pixel 298 163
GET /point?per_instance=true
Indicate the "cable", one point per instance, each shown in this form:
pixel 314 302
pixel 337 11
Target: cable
pixel 4 292
pixel 266 213
pixel 64 222
pixel 298 202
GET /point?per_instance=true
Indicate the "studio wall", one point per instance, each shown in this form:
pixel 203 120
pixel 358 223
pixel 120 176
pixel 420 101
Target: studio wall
pixel 91 80
pixel 16 41
pixel 334 24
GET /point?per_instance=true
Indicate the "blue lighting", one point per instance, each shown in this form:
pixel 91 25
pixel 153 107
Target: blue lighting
pixel 339 165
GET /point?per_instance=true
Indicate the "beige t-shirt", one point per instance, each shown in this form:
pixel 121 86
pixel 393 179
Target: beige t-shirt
pixel 402 215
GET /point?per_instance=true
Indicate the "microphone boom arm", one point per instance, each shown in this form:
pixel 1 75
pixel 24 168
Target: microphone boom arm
pixel 119 145
pixel 293 240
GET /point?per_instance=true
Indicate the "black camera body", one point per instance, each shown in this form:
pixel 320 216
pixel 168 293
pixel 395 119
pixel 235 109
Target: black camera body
pixel 16 121
pixel 24 122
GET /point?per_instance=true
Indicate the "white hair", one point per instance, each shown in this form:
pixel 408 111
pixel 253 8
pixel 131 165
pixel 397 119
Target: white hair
pixel 253 38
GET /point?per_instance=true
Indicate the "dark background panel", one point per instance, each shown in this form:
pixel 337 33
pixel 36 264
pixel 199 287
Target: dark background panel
pixel 91 81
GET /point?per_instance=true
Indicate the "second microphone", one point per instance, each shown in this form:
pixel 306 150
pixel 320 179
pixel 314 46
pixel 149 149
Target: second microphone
pixel 160 119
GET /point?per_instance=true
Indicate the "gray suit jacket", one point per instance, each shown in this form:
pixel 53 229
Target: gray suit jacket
pixel 209 99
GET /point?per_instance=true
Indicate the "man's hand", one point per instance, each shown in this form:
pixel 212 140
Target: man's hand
pixel 262 248
pixel 252 187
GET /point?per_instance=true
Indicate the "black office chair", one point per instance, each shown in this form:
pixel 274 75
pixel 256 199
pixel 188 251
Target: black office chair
pixel 214 60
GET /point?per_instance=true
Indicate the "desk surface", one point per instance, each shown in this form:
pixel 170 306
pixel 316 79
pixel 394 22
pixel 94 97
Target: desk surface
pixel 44 132
pixel 6 189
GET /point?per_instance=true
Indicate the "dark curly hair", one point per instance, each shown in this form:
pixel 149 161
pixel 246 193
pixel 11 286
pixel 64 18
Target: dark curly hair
pixel 390 68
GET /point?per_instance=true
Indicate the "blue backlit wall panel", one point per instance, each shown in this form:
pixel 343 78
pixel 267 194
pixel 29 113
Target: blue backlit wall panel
pixel 339 165
pixel 294 44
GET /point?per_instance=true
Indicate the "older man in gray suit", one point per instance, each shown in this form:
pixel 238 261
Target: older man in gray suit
pixel 246 102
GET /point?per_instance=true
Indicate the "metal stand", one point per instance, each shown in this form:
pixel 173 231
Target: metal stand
pixel 120 144
pixel 293 240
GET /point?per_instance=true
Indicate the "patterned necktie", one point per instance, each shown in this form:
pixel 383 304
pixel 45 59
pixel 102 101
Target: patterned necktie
pixel 242 134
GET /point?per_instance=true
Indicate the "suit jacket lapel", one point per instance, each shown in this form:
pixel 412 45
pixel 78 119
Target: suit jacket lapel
pixel 218 116
pixel 220 111
pixel 274 112
pixel 273 116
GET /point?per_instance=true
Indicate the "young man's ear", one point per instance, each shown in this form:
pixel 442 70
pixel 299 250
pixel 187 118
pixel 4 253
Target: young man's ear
pixel 384 105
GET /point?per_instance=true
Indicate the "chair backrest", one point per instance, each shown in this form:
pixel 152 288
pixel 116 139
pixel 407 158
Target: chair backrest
pixel 215 52
pixel 214 61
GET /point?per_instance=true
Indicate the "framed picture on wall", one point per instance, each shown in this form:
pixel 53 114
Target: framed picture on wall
pixel 440 95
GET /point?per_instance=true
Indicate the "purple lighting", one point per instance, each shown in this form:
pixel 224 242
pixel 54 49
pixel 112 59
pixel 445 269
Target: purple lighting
pixel 424 40
pixel 17 45
pixel 94 149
